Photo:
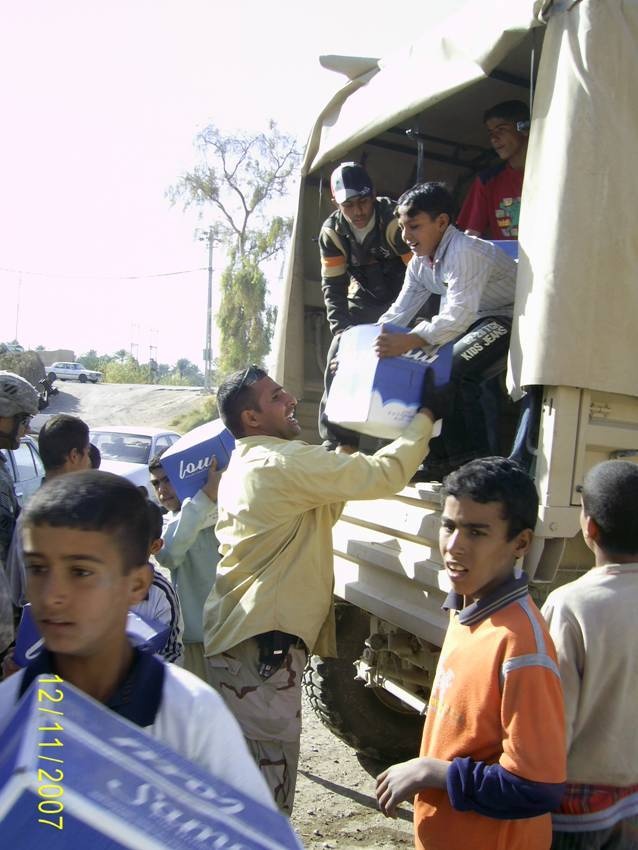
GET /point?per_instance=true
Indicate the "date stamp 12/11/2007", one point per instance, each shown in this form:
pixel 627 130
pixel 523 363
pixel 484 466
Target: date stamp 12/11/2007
pixel 50 752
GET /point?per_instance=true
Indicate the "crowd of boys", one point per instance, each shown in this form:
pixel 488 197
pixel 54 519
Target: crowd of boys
pixel 528 740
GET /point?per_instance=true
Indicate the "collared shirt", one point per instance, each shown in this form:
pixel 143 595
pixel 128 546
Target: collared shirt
pixel 474 278
pixel 496 681
pixel 278 501
pixel 174 707
pixel 468 615
pixel 137 698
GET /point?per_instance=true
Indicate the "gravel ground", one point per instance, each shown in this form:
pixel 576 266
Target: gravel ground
pixel 335 806
pixel 121 404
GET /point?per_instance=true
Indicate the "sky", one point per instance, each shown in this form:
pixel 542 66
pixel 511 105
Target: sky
pixel 100 104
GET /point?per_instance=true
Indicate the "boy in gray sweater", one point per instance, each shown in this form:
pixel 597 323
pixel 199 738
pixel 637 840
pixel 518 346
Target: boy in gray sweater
pixel 593 624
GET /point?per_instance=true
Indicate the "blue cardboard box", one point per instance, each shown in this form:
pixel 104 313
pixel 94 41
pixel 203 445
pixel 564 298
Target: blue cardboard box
pixel 147 634
pixel 510 246
pixel 379 397
pixel 187 461
pixel 120 787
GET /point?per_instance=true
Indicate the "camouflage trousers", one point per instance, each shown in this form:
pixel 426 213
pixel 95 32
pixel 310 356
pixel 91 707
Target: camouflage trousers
pixel 268 711
pixel 195 661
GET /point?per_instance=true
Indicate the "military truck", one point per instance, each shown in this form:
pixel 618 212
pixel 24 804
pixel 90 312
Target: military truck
pixel 417 115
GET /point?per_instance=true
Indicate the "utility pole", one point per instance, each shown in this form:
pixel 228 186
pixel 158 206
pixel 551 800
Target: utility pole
pixel 18 305
pixel 208 360
pixel 209 237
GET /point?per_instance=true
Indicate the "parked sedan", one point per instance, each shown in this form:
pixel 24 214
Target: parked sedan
pixel 127 449
pixel 73 372
pixel 26 468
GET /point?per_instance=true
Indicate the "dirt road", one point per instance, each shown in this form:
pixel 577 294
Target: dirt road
pixel 121 404
pixel 335 806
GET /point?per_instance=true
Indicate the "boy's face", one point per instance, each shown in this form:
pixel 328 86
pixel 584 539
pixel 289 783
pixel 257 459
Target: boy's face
pixel 164 489
pixel 505 138
pixel 78 592
pixel 421 232
pixel 474 545
pixel 358 211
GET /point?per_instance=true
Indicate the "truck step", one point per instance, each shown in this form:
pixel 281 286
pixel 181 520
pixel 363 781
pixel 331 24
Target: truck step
pixel 399 517
pixel 392 597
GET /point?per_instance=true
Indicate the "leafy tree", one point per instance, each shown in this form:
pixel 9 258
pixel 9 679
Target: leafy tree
pixel 186 373
pixel 40 348
pixel 128 371
pixel 238 176
pixel 247 321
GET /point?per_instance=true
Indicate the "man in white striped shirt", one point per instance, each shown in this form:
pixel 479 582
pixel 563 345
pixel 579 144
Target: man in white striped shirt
pixel 475 281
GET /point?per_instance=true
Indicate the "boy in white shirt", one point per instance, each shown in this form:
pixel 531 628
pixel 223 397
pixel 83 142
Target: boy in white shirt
pixel 85 540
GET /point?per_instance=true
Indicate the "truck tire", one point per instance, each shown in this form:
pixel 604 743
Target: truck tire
pixel 362 717
pixel 82 379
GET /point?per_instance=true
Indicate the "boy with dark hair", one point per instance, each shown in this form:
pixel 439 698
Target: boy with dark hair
pixel 86 546
pixel 363 260
pixel 272 600
pixel 161 602
pixel 64 445
pixel 593 623
pixel 95 456
pixel 190 551
pixel 476 283
pixel 492 761
pixel 492 207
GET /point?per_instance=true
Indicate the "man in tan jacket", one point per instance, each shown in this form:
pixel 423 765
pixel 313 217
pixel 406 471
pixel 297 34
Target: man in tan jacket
pixel 271 604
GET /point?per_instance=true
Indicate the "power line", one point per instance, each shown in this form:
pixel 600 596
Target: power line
pixel 66 276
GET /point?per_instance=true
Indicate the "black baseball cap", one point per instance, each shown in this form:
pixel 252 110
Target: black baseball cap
pixel 350 180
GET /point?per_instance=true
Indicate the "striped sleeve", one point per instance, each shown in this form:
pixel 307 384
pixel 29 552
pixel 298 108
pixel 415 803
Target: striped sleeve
pixel 415 292
pixel 163 605
pixel 532 695
pixel 476 280
pixel 466 275
pixel 334 278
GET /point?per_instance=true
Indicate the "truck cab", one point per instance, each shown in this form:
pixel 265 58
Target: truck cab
pixel 416 116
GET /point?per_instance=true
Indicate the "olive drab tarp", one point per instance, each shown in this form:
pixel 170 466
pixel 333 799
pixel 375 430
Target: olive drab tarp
pixel 577 287
pixel 452 55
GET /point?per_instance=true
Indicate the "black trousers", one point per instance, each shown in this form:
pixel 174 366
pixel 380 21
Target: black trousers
pixel 478 355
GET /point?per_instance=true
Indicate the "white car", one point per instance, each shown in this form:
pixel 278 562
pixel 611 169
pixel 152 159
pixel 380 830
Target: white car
pixel 73 372
pixel 127 449
pixel 26 468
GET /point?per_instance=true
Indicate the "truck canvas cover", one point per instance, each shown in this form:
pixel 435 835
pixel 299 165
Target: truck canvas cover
pixel 575 294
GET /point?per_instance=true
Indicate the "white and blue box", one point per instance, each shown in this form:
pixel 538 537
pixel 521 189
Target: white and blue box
pixel 380 396
pixel 121 789
pixel 187 461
